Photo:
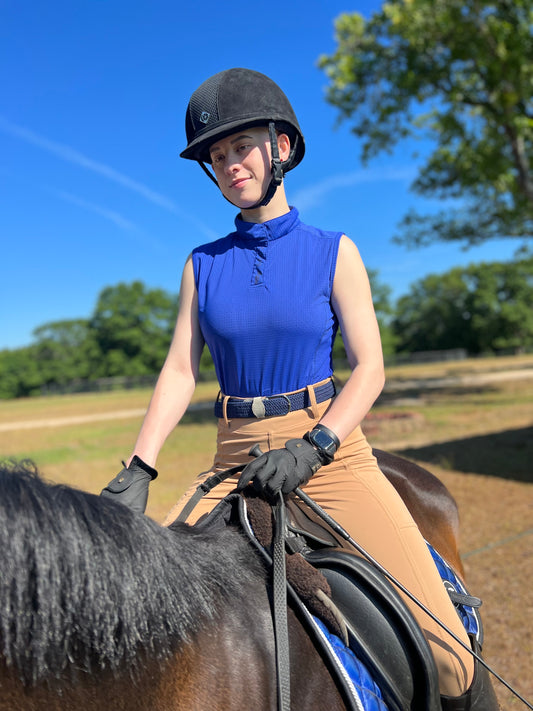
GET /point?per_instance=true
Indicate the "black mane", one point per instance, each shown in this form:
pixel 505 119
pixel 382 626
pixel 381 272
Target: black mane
pixel 86 583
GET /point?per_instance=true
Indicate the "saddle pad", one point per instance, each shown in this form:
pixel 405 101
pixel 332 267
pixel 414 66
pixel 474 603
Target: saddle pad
pixel 366 692
pixel 469 614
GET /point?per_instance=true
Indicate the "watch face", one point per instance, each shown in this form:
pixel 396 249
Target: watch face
pixel 323 440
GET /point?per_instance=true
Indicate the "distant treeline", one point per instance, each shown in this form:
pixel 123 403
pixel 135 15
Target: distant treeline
pixel 482 309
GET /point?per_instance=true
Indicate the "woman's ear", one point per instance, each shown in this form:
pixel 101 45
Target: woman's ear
pixel 284 146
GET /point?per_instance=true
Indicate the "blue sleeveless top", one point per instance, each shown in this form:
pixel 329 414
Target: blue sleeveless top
pixel 264 303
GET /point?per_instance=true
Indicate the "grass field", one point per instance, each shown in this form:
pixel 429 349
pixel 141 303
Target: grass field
pixel 470 422
pixel 81 439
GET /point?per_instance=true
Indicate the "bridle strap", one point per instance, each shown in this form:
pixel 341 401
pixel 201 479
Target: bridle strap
pixel 204 488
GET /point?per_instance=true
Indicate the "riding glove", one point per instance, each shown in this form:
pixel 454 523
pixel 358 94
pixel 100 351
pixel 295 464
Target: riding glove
pixel 130 486
pixel 282 469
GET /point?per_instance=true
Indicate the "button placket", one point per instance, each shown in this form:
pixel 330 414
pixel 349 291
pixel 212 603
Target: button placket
pixel 261 250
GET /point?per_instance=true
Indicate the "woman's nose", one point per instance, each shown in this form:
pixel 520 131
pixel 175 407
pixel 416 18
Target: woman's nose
pixel 232 163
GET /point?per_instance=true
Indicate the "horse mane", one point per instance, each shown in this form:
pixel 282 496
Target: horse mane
pixel 88 584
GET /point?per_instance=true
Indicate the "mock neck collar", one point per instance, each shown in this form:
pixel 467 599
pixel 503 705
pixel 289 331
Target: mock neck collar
pixel 271 229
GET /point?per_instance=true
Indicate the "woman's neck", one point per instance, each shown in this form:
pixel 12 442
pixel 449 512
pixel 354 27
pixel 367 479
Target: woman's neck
pixel 277 207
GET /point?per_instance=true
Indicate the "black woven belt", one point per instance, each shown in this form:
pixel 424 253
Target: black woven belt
pixel 273 405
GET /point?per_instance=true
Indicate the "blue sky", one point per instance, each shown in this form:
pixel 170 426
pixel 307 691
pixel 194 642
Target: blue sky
pixel 92 189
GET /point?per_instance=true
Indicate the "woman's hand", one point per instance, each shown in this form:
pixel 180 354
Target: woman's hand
pixel 130 486
pixel 282 469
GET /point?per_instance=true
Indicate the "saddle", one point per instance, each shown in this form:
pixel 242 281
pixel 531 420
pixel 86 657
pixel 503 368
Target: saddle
pixel 382 632
pixel 354 602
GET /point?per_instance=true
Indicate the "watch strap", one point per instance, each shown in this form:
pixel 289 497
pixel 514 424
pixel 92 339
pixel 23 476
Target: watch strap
pixel 327 449
pixel 329 432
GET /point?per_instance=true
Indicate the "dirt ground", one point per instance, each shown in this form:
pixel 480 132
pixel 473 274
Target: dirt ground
pixel 495 500
pixel 496 514
pixel 497 550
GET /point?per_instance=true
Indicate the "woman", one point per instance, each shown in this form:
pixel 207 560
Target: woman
pixel 268 299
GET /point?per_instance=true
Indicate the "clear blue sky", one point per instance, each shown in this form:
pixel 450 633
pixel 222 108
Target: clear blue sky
pixel 92 191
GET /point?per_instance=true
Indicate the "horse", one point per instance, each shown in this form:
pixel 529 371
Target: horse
pixel 101 607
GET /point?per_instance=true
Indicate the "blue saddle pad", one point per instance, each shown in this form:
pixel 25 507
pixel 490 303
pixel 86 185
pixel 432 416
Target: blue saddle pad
pixel 367 693
pixel 468 613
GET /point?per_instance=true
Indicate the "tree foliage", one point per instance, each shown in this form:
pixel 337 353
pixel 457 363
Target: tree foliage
pixel 459 72
pixel 483 308
pixel 128 334
pixel 65 350
pixel 133 327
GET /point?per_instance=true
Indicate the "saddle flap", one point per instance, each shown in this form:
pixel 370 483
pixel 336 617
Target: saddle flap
pixel 382 631
pixel 303 521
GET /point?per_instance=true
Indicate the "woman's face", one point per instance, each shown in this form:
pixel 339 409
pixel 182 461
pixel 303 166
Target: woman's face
pixel 242 162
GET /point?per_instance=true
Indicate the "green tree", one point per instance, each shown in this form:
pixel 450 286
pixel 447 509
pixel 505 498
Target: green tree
pixel 20 374
pixel 483 308
pixel 128 334
pixel 65 350
pixel 459 72
pixel 133 328
pixel 381 297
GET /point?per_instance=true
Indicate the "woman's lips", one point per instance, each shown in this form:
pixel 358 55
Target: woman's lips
pixel 239 182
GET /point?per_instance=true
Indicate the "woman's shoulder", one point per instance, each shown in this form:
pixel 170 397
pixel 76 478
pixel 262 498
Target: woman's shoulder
pixel 321 234
pixel 217 246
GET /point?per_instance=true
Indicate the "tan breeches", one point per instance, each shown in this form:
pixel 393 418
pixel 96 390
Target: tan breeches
pixel 358 496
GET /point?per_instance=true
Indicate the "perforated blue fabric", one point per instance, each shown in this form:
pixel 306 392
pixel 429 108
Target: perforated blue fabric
pixel 367 690
pixel 264 305
pixel 467 614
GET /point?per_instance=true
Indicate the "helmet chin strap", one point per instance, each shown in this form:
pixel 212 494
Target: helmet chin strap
pixel 276 172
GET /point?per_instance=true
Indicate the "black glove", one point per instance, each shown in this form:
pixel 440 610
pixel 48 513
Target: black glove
pixel 130 486
pixel 282 469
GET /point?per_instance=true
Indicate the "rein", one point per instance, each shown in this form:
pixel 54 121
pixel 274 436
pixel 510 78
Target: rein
pixel 279 581
pixel 204 488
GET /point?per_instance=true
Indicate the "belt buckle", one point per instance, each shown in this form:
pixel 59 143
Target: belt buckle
pixel 259 408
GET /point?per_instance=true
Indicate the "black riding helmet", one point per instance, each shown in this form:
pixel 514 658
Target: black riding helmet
pixel 241 98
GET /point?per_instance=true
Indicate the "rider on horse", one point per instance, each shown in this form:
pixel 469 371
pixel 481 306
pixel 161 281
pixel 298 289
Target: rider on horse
pixel 268 299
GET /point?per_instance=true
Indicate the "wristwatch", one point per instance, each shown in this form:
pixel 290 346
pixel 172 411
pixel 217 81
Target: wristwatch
pixel 325 441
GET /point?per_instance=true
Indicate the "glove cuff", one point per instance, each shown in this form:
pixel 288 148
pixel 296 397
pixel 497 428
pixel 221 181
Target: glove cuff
pixel 138 462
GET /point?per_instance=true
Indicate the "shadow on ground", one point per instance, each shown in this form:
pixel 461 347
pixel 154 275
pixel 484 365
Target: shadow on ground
pixel 416 392
pixel 507 455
